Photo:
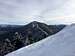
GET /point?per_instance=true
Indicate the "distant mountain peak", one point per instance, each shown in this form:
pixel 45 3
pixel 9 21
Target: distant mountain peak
pixel 34 24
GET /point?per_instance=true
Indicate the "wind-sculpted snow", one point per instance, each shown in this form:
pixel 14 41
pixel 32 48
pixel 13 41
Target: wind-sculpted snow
pixel 60 44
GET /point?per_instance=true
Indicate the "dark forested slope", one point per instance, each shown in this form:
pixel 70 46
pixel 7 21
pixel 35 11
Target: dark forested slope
pixel 15 37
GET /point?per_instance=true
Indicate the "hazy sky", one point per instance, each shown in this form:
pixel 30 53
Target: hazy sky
pixel 48 11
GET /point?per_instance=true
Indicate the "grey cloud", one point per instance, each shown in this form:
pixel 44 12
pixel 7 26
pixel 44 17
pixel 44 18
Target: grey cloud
pixel 21 9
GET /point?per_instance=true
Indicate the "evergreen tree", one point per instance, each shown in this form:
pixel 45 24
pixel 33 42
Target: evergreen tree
pixel 17 41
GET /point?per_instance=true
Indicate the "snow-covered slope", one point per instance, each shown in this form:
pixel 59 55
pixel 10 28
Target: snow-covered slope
pixel 60 44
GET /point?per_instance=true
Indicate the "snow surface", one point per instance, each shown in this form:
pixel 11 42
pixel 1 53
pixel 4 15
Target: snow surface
pixel 60 44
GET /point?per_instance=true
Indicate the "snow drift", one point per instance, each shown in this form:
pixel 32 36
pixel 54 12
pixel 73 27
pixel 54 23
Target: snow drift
pixel 60 44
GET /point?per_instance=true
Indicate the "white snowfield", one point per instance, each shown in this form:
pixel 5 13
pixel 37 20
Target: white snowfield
pixel 60 44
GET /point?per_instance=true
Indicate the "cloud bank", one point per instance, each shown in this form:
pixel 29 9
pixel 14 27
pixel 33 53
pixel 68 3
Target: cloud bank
pixel 48 11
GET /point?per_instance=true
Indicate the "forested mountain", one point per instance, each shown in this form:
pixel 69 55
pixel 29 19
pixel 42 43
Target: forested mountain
pixel 60 44
pixel 15 37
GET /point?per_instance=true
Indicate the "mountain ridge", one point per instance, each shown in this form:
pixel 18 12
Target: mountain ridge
pixel 60 44
pixel 16 38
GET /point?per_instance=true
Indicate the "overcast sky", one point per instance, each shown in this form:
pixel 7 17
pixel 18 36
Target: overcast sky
pixel 48 11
